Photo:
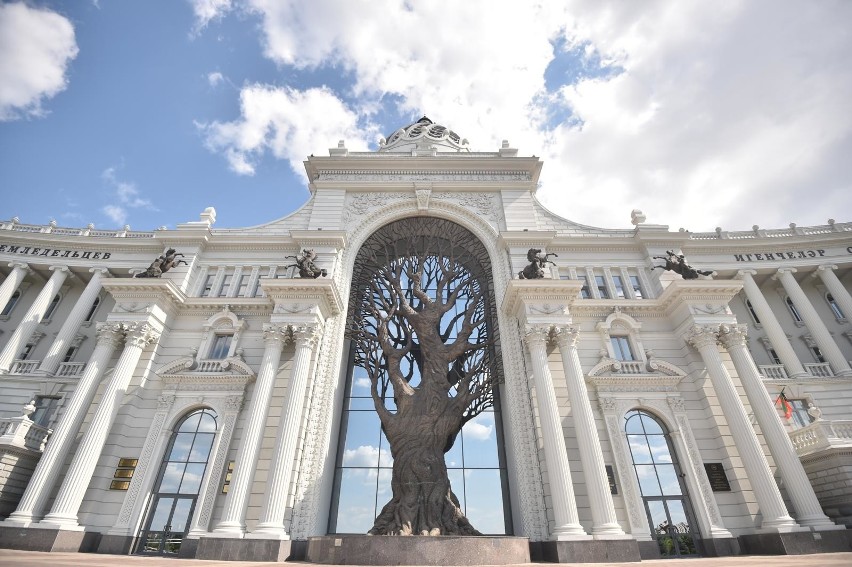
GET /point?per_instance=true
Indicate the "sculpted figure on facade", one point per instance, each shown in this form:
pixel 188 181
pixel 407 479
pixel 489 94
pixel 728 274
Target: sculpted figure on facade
pixel 305 263
pixel 162 264
pixel 538 261
pixel 677 263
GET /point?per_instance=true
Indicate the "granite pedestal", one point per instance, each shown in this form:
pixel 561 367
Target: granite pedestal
pixel 418 550
pixel 41 539
pixel 242 549
pixel 587 551
pixel 796 543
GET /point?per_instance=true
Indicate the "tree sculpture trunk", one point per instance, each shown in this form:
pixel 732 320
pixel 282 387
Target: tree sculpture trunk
pixel 420 332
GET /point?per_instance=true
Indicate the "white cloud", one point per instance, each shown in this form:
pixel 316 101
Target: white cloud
pixel 746 102
pixel 215 78
pixel 288 123
pixel 126 194
pixel 367 456
pixel 480 427
pixel 208 10
pixel 362 382
pixel 36 46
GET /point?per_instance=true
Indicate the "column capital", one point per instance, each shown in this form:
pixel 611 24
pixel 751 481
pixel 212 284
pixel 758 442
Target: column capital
pixel 703 335
pixel 306 335
pixel 21 265
pixel 733 335
pixel 61 269
pixel 275 334
pixel 536 335
pixel 566 336
pixel 140 334
pixel 783 272
pixel 104 272
pixel 741 274
pixel 824 268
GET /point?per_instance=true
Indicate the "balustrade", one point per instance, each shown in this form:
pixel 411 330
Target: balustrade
pixel 70 369
pixel 24 366
pixel 773 371
pixel 23 432
pixel 821 435
pixel 819 369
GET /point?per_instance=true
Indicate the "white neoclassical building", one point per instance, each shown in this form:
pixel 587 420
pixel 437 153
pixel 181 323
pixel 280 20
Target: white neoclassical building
pixel 218 411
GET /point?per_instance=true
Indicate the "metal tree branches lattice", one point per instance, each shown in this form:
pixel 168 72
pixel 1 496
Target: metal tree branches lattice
pixel 420 324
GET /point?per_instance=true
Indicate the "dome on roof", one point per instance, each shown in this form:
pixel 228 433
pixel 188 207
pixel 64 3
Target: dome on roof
pixel 423 134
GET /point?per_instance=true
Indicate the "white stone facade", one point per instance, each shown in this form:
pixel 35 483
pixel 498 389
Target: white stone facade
pixel 706 364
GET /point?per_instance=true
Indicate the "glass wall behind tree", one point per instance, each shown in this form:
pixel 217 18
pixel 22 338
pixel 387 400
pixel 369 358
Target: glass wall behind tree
pixel 475 464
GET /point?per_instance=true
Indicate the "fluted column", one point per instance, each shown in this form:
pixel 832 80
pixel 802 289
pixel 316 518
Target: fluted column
pixel 558 470
pixel 774 332
pixel 72 323
pixel 33 317
pixel 67 504
pixel 12 281
pixel 775 516
pixel 814 323
pixel 272 517
pixel 31 506
pixel 232 523
pixel 805 502
pixel 604 521
pixel 835 288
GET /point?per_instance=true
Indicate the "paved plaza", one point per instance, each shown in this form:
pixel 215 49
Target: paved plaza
pixel 10 557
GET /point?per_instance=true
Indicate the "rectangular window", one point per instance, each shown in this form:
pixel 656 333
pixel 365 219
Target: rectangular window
pixel 584 291
pixel 799 417
pixel 242 285
pixel 27 352
pixel 69 354
pixel 45 408
pixel 817 354
pixel 600 282
pixel 221 346
pixel 621 348
pixel 619 287
pixel 637 287
pixel 208 285
pixel 226 285
pixel 774 356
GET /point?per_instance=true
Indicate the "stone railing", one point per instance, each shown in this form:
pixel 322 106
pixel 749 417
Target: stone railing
pixel 15 225
pixel 821 435
pixel 70 369
pixel 632 367
pixel 23 432
pixel 757 232
pixel 24 366
pixel 819 369
pixel 773 371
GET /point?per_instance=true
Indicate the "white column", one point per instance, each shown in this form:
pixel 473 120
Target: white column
pixel 12 281
pixel 604 521
pixel 805 502
pixel 814 323
pixel 774 332
pixel 72 324
pixel 41 483
pixel 232 523
pixel 835 288
pixel 775 516
pixel 33 317
pixel 272 518
pixel 565 515
pixel 70 497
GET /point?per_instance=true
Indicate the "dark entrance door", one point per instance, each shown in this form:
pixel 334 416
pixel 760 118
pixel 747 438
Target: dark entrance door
pixel 167 524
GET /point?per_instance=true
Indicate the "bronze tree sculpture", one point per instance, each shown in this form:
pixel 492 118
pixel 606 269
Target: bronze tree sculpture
pixel 422 311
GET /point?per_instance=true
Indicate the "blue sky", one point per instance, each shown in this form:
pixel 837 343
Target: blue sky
pixel 701 115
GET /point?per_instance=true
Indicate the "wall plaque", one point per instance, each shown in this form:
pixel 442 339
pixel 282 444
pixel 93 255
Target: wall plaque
pixel 717 477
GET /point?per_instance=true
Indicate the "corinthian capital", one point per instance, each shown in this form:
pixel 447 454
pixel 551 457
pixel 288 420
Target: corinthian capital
pixel 306 335
pixel 703 335
pixel 733 335
pixel 140 334
pixel 275 334
pixel 566 336
pixel 535 335
pixel 109 334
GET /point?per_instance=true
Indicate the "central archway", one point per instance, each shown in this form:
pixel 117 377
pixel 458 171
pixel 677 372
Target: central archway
pixel 422 327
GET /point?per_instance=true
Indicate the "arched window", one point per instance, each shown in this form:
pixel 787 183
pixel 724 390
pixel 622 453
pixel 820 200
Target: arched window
pixel 835 309
pixel 752 312
pixel 91 314
pixel 52 307
pixel 421 262
pixel 178 483
pixel 10 305
pixel 661 484
pixel 793 311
